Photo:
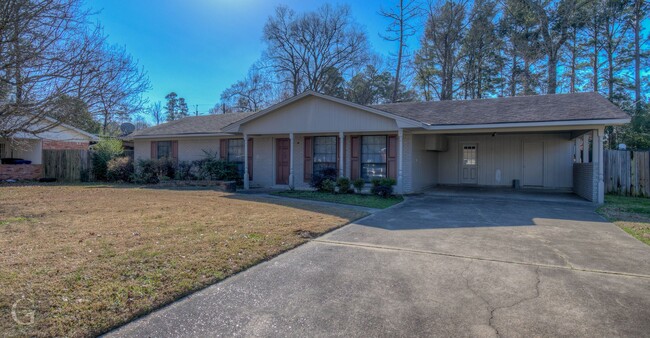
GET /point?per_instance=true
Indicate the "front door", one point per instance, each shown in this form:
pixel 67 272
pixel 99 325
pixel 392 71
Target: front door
pixel 282 158
pixel 533 164
pixel 469 165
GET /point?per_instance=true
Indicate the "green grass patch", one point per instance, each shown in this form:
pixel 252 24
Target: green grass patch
pixel 369 201
pixel 11 220
pixel 632 214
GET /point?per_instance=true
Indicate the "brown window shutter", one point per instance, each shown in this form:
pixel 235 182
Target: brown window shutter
pixel 154 150
pixel 250 158
pixel 391 159
pixel 355 157
pixel 175 151
pixel 223 149
pixel 309 158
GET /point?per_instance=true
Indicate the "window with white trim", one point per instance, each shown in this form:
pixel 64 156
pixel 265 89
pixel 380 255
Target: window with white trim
pixel 324 153
pixel 373 157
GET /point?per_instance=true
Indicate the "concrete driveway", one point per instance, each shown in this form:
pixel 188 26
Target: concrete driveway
pixel 435 266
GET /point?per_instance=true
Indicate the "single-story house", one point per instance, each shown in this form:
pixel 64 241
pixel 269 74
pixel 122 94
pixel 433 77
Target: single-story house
pixel 544 141
pixel 22 157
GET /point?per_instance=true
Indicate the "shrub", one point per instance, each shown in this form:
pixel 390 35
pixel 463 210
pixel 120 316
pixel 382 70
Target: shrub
pixel 105 150
pixel 186 170
pixel 326 174
pixel 146 172
pixel 166 168
pixel 383 187
pixel 328 185
pixel 343 183
pixel 216 169
pixel 358 184
pixel 120 169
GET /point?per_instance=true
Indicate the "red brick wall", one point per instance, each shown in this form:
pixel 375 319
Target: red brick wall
pixel 21 171
pixel 64 145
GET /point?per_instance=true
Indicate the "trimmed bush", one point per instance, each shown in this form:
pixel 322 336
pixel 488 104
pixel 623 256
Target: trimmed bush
pixel 328 185
pixel 146 172
pixel 216 169
pixel 187 170
pixel 326 174
pixel 343 183
pixel 358 184
pixel 383 187
pixel 120 169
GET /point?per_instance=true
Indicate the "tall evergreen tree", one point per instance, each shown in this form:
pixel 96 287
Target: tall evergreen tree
pixel 440 55
pixel 481 48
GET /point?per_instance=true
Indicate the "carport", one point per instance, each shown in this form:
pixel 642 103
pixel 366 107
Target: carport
pixel 559 159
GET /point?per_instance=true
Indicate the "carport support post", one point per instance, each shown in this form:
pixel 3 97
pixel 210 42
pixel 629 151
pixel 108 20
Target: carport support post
pixel 599 155
pixel 342 159
pixel 246 178
pixel 400 160
pixel 585 148
pixel 291 140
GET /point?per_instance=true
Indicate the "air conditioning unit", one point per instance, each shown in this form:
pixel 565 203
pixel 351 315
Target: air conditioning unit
pixel 436 143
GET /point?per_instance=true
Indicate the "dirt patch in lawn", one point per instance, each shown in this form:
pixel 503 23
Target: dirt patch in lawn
pixel 84 259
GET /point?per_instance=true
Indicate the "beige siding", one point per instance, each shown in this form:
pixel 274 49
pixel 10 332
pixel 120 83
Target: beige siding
pixel 422 165
pixel 189 149
pixel 504 153
pixel 316 115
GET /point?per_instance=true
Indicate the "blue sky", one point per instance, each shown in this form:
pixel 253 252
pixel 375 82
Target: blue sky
pixel 198 48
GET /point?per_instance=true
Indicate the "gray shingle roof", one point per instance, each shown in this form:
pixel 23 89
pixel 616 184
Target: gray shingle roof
pixel 205 124
pixel 539 108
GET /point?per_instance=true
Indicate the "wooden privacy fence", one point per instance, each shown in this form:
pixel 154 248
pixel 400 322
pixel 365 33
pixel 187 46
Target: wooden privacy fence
pixel 67 165
pixel 627 172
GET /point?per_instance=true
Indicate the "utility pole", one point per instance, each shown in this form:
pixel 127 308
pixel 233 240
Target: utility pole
pixel 196 110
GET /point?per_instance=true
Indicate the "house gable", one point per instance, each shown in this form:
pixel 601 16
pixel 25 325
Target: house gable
pixel 314 114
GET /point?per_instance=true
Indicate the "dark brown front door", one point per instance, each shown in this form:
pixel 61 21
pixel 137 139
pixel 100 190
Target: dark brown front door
pixel 282 157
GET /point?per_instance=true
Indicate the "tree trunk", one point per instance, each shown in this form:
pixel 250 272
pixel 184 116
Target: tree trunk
pixel 638 4
pixel 595 64
pixel 552 73
pixel 574 52
pixel 399 51
pixel 513 76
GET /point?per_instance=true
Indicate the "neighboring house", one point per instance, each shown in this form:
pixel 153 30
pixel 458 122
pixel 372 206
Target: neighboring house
pixel 29 148
pixel 545 141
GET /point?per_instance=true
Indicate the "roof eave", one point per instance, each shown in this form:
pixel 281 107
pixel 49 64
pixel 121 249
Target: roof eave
pixel 182 135
pixel 604 122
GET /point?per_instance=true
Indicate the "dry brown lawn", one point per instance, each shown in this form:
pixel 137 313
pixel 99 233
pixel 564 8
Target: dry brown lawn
pixel 85 259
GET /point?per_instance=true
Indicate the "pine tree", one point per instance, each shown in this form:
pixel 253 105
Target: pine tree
pixel 171 107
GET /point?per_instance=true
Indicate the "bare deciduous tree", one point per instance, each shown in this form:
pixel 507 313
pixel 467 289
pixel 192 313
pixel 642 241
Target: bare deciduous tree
pixel 303 49
pixel 400 29
pixel 249 94
pixel 48 52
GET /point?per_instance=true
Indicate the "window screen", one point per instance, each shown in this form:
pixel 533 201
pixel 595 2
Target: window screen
pixel 324 153
pixel 373 157
pixel 236 154
pixel 164 149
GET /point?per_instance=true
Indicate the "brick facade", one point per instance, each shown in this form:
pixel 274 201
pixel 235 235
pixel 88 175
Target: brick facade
pixel 64 145
pixel 21 171
pixel 584 184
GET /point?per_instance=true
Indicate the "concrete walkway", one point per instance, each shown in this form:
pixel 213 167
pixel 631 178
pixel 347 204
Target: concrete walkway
pixel 435 266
